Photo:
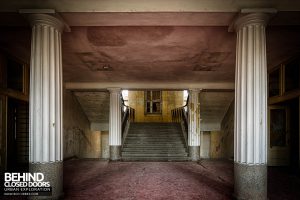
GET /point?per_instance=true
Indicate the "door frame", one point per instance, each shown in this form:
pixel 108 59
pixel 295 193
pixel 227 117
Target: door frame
pixel 279 155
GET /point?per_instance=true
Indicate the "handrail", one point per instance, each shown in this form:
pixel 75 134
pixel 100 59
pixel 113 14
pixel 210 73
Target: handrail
pixel 127 116
pixel 180 115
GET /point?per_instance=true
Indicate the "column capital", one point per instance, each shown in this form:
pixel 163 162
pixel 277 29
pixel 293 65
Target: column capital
pixel 252 17
pixel 46 19
pixel 114 89
pixel 195 89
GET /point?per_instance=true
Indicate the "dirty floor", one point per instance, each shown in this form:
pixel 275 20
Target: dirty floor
pixel 88 179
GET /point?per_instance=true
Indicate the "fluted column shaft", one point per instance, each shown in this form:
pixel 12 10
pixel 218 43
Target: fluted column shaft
pixel 115 129
pixel 194 124
pixel 45 90
pixel 46 144
pixel 250 127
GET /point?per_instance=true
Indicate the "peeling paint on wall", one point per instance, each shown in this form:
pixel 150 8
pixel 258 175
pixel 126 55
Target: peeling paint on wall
pixel 227 127
pixel 104 145
pixel 205 144
pixel 79 140
pixel 222 142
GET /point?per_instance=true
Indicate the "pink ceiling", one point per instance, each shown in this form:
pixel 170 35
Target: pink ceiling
pixel 148 54
pixel 152 53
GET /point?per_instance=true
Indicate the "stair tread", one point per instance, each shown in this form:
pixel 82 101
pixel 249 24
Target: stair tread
pixel 154 141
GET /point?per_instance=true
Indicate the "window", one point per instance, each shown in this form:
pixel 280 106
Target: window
pixel 125 97
pixel 185 97
pixel 153 102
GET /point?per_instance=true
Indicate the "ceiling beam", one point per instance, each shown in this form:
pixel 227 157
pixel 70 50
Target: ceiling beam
pixel 136 86
pixel 147 6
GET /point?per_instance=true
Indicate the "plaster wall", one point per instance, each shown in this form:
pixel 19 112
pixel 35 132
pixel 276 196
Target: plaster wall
pixel 170 100
pixel 227 128
pixel 79 140
pixel 104 145
pixel 99 126
pixel 222 142
pixel 216 145
pixel 90 145
pixel 205 145
pixel 102 128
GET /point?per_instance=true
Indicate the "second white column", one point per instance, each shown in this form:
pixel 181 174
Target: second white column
pixel 115 130
pixel 194 124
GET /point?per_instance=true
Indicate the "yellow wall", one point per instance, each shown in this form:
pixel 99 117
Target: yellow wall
pixel 170 100
pixel 217 147
pixel 222 141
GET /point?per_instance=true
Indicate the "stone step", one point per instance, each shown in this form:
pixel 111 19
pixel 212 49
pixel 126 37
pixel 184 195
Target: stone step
pixel 148 155
pixel 154 151
pixel 152 138
pixel 154 134
pixel 166 143
pixel 144 145
pixel 130 135
pixel 154 142
pixel 183 153
pixel 153 128
pixel 171 140
pixel 156 123
pixel 175 159
pixel 162 147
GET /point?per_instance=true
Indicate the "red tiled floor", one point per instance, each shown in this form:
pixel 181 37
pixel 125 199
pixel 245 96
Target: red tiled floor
pixel 209 179
pixel 148 180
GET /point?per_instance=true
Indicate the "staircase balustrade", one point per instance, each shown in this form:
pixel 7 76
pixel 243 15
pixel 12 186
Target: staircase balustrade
pixel 128 115
pixel 180 115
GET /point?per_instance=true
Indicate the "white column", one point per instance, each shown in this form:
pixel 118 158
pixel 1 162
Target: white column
pixel 45 89
pixel 250 127
pixel 45 139
pixel 115 130
pixel 194 124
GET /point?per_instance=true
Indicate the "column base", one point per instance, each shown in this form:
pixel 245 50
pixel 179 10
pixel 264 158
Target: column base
pixel 115 152
pixel 250 181
pixel 194 153
pixel 53 172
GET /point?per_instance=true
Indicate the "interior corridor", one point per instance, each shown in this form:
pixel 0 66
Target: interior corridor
pixel 207 179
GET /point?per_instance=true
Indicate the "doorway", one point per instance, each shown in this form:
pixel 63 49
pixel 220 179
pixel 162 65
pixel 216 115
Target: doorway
pixel 283 145
pixel 17 135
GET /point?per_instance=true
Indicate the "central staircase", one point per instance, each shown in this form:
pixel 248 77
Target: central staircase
pixel 154 142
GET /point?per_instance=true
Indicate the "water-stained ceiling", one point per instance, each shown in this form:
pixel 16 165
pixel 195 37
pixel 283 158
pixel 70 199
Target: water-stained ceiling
pixel 95 105
pixel 180 47
pixel 168 54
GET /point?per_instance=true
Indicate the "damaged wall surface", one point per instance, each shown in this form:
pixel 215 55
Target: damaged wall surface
pixel 79 140
pixel 222 141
